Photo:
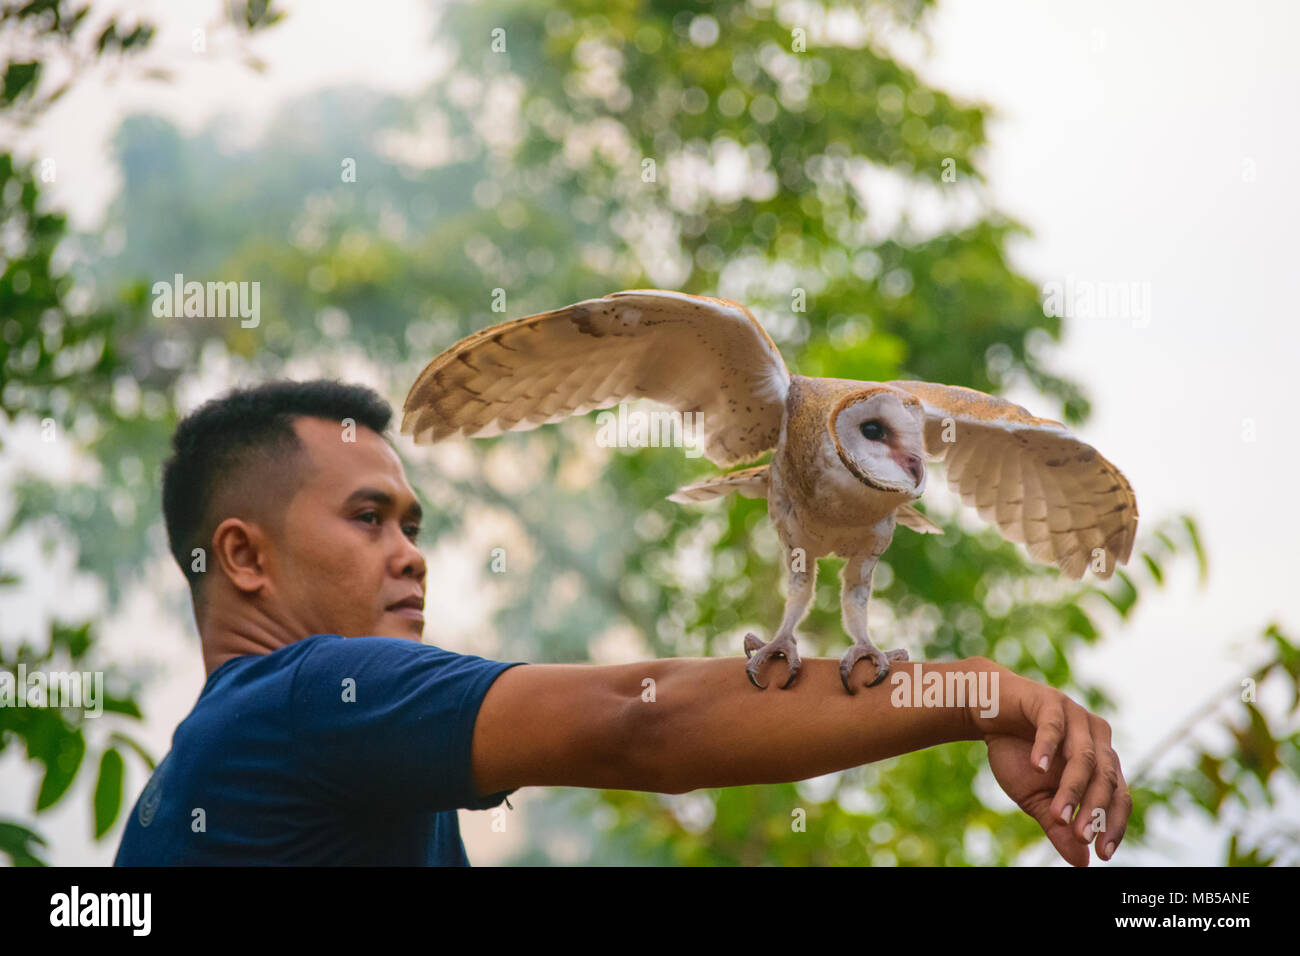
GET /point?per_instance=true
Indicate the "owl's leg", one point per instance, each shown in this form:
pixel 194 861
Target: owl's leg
pixel 803 581
pixel 853 601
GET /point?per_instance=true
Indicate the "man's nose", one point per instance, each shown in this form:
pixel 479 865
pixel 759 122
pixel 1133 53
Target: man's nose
pixel 411 560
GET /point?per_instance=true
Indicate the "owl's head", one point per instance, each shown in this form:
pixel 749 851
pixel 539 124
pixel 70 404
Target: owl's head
pixel 878 435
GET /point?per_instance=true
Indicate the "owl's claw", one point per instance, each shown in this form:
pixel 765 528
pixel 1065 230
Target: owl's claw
pixel 882 660
pixel 759 653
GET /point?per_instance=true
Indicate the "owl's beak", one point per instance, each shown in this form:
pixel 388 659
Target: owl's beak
pixel 914 466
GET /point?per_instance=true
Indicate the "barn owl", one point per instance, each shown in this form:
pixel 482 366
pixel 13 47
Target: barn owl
pixel 849 457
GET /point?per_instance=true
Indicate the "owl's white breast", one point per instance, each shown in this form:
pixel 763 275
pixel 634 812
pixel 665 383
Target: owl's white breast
pixel 820 506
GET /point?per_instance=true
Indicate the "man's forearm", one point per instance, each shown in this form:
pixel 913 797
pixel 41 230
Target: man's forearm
pixel 708 727
pixel 670 726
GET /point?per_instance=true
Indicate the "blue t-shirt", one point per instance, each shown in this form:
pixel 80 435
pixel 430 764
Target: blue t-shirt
pixel 329 751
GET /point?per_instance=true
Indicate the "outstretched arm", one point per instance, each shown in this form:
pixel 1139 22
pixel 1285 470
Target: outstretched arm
pixel 584 725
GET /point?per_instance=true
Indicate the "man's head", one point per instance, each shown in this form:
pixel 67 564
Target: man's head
pixel 298 512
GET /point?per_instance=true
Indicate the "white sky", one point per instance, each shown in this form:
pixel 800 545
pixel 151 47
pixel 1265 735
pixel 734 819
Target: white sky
pixel 1125 130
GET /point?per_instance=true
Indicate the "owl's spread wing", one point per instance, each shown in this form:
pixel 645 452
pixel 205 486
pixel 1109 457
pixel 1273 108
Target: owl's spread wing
pixel 1032 479
pixel 693 353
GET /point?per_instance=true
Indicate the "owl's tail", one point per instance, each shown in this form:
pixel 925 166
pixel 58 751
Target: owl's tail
pixel 750 482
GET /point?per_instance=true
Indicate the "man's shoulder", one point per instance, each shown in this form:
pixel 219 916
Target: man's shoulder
pixel 391 660
pixel 325 649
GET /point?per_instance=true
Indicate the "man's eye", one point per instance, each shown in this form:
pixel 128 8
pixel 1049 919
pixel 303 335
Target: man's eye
pixel 412 531
pixel 368 515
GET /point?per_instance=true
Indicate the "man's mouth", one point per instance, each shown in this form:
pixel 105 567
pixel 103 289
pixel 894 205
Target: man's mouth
pixel 412 607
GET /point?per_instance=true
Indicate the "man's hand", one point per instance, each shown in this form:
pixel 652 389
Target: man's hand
pixel 1038 727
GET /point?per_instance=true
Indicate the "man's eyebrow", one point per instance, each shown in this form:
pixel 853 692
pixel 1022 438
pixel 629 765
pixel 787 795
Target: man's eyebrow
pixel 384 500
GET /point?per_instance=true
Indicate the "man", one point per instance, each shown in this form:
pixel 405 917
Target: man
pixel 328 733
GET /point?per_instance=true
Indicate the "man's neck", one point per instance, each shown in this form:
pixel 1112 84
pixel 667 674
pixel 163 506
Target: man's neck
pixel 225 639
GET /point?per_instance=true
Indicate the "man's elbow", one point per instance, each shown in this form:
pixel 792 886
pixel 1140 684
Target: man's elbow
pixel 646 745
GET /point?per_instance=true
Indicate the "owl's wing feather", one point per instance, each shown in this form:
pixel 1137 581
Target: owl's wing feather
pixel 1030 477
pixel 748 483
pixel 910 517
pixel 693 353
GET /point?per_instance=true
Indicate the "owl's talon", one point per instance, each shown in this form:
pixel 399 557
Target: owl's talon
pixel 759 653
pixel 881 659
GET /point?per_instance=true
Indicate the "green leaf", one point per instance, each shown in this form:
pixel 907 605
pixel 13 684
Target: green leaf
pixel 1194 535
pixel 122 705
pixel 108 791
pixel 1254 858
pixel 118 737
pixel 1124 597
pixel 1154 568
pixel 61 768
pixel 139 37
pixel 76 639
pixel 1256 747
pixel 19 78
pixel 107 37
pixel 256 15
pixel 19 844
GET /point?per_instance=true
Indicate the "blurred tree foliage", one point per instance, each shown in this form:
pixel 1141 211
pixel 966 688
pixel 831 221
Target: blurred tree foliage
pixel 747 150
pixel 63 360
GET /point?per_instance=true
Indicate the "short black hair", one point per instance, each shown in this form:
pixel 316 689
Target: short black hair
pixel 245 433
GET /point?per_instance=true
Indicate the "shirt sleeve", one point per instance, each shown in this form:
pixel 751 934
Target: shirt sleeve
pixel 388 723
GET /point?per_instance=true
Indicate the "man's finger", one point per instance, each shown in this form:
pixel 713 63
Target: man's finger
pixel 1094 809
pixel 1121 807
pixel 1080 764
pixel 1049 725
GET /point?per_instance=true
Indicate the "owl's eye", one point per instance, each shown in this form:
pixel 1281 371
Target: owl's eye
pixel 873 430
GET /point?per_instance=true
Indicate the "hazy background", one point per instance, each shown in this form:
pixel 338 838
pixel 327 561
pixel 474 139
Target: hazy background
pixel 1150 143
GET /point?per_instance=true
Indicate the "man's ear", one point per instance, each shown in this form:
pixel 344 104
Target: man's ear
pixel 240 549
